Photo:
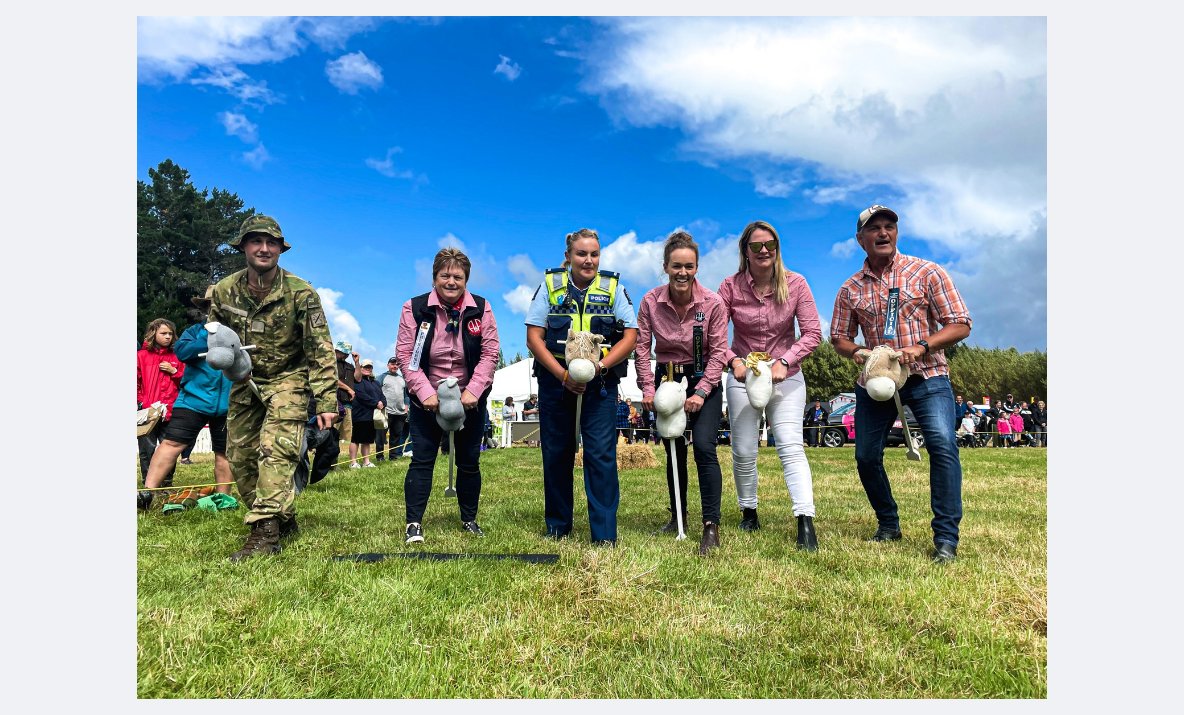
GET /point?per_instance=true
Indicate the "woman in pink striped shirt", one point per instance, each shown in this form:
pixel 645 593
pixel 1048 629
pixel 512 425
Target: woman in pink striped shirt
pixel 447 332
pixel 689 325
pixel 763 300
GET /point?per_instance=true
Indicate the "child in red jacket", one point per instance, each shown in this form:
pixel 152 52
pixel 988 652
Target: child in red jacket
pixel 158 379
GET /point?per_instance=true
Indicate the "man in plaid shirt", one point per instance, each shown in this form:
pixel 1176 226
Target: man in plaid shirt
pixel 930 317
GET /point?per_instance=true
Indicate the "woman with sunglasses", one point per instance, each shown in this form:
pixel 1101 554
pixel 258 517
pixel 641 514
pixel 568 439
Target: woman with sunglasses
pixel 763 300
pixel 579 296
pixel 446 332
pixel 689 325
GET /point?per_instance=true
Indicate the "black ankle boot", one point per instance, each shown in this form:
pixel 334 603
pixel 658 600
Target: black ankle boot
pixel 749 522
pixel 672 525
pixel 807 539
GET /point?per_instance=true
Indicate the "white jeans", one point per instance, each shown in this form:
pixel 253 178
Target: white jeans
pixel 784 414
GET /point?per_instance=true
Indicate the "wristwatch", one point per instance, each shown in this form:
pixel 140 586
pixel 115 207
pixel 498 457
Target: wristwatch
pixel 925 345
pixel 783 361
pixel 699 391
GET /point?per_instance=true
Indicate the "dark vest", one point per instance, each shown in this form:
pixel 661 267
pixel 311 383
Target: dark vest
pixel 471 344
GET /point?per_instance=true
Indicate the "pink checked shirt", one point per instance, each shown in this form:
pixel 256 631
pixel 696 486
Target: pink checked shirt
pixel 658 318
pixel 448 352
pixel 927 298
pixel 764 325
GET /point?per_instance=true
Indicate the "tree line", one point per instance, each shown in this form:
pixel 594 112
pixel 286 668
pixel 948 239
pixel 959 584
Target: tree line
pixel 181 242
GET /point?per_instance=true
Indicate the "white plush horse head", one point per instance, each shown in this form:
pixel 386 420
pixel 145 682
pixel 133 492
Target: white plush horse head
pixel 668 407
pixel 884 373
pixel 582 350
pixel 451 415
pixel 758 382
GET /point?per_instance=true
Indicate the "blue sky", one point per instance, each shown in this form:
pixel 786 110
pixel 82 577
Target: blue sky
pixel 376 141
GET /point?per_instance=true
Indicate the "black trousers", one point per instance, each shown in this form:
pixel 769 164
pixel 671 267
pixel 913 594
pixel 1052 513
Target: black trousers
pixel 704 429
pixel 147 447
pixel 426 437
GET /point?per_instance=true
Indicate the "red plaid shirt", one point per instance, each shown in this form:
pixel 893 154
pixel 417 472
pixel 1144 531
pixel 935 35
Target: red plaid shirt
pixel 928 300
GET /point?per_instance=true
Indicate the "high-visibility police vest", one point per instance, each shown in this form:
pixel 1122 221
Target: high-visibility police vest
pixel 594 315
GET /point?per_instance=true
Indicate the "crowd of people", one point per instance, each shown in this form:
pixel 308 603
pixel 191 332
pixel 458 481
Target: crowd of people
pixel 1003 423
pixel 301 394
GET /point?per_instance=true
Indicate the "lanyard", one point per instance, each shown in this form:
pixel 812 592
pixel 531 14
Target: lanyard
pixel 424 327
pixel 890 316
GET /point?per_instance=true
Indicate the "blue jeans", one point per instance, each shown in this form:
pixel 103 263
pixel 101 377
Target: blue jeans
pixel 557 421
pixel 932 402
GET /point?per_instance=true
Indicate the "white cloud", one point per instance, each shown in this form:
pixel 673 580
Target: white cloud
pixel 386 167
pixel 508 68
pixel 845 249
pixel 523 268
pixel 944 119
pixel 344 326
pixel 237 84
pixel 518 300
pixel 257 157
pixel 237 125
pixel 353 72
pixel 638 262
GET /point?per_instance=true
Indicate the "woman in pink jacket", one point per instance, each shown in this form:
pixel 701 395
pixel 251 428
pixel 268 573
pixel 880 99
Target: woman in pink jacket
pixel 158 379
pixel 764 300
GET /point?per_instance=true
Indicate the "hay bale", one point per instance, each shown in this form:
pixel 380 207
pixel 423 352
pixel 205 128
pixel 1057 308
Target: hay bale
pixel 629 456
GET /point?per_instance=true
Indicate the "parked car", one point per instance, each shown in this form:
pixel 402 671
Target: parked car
pixel 836 434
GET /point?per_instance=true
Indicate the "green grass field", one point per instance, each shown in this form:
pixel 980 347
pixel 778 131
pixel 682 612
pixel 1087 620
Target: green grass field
pixel 649 619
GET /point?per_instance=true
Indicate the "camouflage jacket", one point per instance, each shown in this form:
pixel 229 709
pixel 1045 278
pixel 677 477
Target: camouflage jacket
pixel 289 329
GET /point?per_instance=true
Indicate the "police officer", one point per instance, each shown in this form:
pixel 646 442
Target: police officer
pixel 579 296
pixel 293 360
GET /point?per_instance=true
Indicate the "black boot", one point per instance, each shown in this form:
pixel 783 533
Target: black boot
pixel 807 539
pixel 144 501
pixel 749 522
pixel 710 538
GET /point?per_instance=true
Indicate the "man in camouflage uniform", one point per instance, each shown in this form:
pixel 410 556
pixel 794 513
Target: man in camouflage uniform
pixel 293 360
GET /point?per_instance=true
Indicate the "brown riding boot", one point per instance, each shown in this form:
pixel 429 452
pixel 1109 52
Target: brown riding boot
pixel 263 539
pixel 710 538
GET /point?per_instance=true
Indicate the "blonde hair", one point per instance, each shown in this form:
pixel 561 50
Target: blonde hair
pixel 780 289
pixel 675 241
pixel 575 236
pixel 150 332
pixel 451 257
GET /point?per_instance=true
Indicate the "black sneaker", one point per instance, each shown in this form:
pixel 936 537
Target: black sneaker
pixel 414 533
pixel 144 501
pixel 749 522
pixel 472 528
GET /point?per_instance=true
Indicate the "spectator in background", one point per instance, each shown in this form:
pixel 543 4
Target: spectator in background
pixel 347 377
pixel 1017 427
pixel 530 408
pixel 1029 429
pixel 1039 424
pixel 623 427
pixel 815 421
pixel 636 424
pixel 367 398
pixel 394 396
pixel 1009 404
pixel 993 413
pixel 508 416
pixel 158 379
pixel 1003 428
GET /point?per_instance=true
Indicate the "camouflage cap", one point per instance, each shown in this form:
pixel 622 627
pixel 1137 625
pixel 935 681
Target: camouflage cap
pixel 259 224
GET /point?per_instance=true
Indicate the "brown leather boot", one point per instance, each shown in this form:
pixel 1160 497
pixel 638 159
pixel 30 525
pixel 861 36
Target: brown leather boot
pixel 263 539
pixel 710 538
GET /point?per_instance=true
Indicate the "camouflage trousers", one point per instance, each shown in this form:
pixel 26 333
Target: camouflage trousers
pixel 263 443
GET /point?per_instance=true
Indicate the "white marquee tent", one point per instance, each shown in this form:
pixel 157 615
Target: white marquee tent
pixel 518 381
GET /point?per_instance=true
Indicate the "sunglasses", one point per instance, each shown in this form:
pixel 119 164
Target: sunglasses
pixel 758 246
pixel 453 321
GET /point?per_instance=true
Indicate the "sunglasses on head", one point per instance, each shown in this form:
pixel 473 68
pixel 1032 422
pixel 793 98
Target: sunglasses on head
pixel 758 246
